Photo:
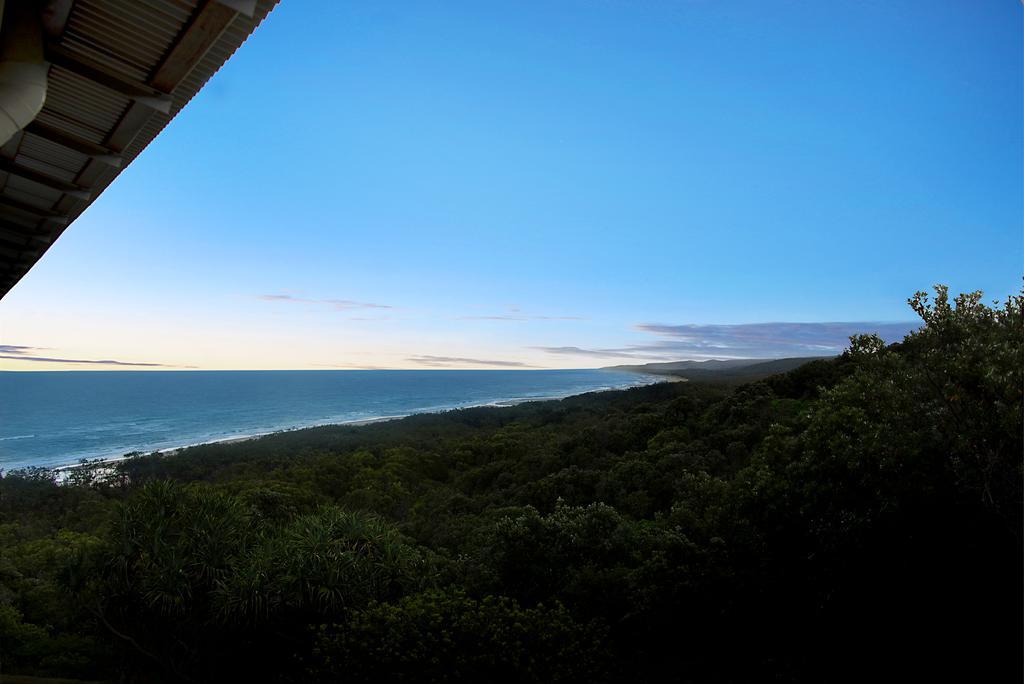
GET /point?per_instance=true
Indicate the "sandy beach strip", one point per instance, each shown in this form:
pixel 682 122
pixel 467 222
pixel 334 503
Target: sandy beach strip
pixel 359 422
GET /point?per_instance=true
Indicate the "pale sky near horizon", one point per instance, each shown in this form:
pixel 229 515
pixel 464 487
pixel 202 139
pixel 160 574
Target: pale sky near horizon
pixel 556 184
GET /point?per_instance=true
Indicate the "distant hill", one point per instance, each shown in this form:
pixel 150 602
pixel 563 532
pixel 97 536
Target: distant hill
pixel 723 370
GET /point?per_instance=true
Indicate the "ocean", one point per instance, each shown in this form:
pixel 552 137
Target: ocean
pixel 52 419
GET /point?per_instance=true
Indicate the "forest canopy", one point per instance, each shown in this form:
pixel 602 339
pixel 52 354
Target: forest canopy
pixel 858 517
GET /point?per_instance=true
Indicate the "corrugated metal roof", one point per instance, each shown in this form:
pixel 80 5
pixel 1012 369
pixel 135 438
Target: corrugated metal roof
pixel 97 117
pixel 50 158
pixel 128 36
pixel 80 101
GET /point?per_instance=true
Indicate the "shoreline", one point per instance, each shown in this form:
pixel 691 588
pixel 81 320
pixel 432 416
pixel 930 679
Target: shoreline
pixel 100 461
pixel 171 451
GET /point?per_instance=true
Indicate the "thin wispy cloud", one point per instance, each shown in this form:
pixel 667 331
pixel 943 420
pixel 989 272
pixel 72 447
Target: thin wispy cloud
pixel 747 340
pixel 17 349
pixel 579 351
pixel 347 304
pixel 336 304
pixel 23 353
pixel 774 339
pixel 449 361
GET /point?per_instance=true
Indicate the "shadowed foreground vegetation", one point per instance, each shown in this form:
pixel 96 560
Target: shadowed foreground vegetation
pixel 855 519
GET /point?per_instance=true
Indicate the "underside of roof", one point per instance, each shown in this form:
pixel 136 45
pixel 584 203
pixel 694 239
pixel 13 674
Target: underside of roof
pixel 119 71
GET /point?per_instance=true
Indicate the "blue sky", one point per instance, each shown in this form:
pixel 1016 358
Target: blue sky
pixel 551 184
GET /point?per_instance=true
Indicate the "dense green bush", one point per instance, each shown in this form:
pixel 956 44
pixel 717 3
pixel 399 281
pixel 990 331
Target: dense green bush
pixel 448 636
